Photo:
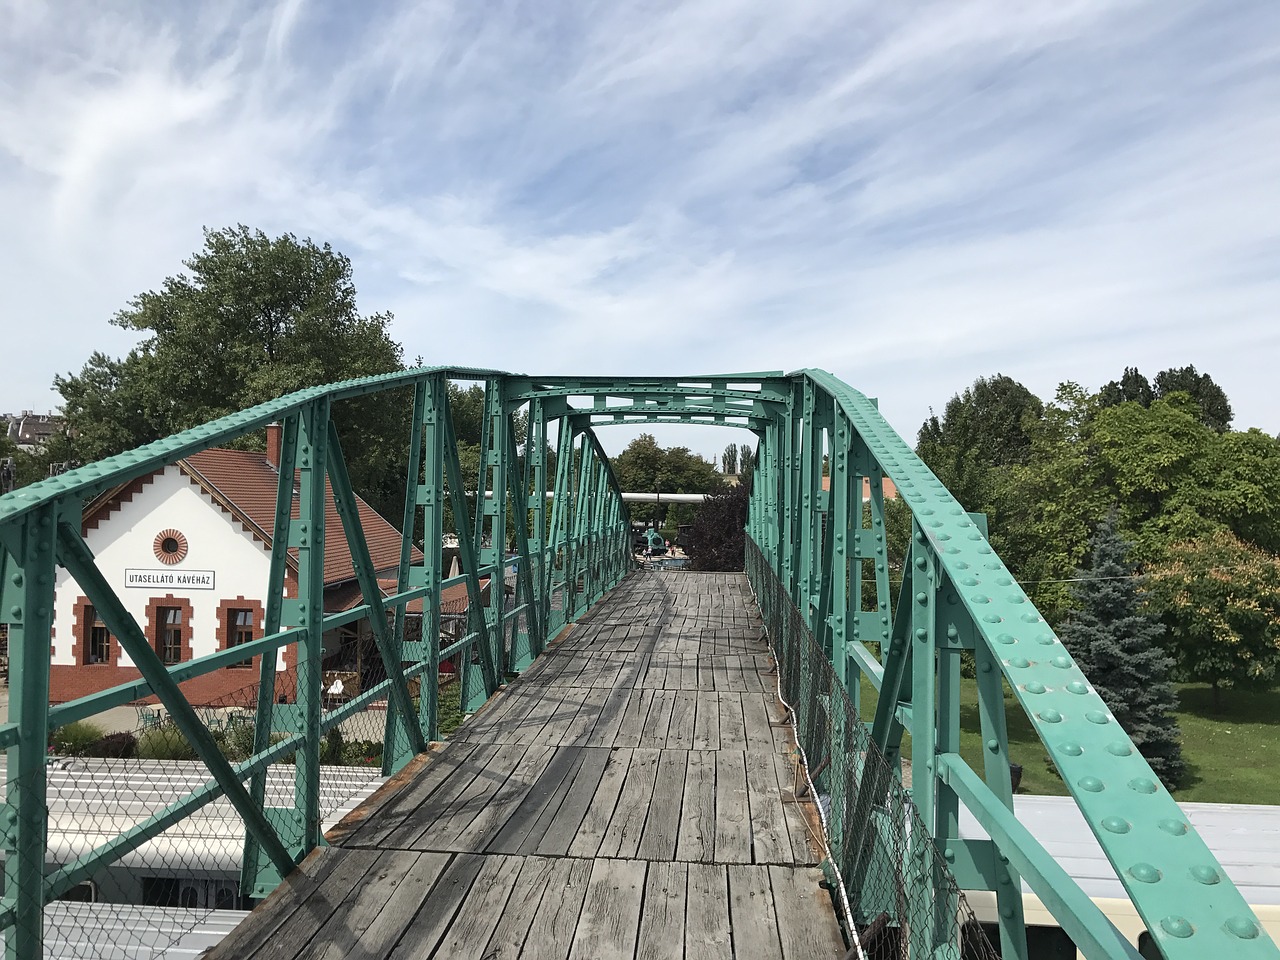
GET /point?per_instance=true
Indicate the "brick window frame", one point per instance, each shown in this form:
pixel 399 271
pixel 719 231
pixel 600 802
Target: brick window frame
pixel 154 605
pixel 80 627
pixel 224 625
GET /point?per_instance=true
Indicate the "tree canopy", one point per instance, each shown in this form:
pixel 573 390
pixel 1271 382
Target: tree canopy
pixel 646 466
pixel 718 539
pixel 254 317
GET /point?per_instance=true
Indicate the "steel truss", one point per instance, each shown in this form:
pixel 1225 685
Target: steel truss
pixel 957 596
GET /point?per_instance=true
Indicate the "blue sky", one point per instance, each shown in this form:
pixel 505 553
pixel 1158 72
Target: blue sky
pixel 908 195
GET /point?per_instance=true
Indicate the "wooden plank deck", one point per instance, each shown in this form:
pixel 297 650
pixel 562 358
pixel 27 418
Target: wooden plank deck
pixel 630 796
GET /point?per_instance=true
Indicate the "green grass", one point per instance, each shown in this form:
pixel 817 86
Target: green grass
pixel 1233 754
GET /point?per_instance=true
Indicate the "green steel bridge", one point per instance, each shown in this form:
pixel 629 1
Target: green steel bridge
pixel 817 563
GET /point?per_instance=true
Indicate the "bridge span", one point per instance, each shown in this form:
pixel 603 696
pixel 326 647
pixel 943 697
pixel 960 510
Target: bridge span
pixel 633 794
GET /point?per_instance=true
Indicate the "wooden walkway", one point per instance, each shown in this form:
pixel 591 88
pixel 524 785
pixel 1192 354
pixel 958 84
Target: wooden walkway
pixel 630 796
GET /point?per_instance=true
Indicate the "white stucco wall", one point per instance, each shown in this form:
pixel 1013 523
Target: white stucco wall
pixel 124 540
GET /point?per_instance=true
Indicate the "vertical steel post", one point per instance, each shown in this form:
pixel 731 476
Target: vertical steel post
pixel 259 876
pixel 28 609
pixel 493 509
pixel 310 540
pixel 434 393
pixel 535 453
pixel 396 726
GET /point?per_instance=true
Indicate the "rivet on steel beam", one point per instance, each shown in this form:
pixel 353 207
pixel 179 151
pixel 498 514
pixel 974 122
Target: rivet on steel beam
pixel 1175 828
pixel 1242 927
pixel 1071 748
pixel 1142 785
pixel 1145 873
pixel 1118 748
pixel 1178 927
pixel 1116 824
pixel 1098 717
pixel 1092 784
pixel 1203 873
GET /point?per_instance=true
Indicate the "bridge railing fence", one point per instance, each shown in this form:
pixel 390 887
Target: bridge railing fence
pixel 891 882
pixel 259 770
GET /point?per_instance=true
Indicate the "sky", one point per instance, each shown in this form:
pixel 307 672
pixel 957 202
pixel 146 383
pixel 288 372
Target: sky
pixel 910 196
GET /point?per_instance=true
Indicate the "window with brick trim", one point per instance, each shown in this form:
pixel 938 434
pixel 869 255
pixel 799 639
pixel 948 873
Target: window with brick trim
pixel 96 639
pixel 169 634
pixel 239 630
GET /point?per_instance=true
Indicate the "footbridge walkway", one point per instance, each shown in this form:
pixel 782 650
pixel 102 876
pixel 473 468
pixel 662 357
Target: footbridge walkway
pixel 626 786
pixel 635 787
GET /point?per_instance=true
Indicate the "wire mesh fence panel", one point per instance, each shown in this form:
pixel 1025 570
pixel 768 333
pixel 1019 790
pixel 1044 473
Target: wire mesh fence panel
pixel 896 889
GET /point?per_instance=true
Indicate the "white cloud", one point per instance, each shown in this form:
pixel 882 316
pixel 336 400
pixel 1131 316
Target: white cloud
pixel 909 198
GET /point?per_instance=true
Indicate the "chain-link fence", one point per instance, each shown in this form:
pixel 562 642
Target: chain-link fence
pixel 130 782
pixel 894 886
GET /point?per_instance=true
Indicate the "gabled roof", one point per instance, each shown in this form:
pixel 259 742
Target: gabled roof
pixel 243 483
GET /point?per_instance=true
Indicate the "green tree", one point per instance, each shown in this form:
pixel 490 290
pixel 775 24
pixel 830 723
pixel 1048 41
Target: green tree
pixel 981 431
pixel 1220 598
pixel 1132 387
pixel 1211 399
pixel 729 459
pixel 1119 647
pixel 646 466
pixel 719 535
pixel 256 317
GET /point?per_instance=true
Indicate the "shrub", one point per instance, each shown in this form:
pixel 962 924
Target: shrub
pixel 120 746
pixel 164 742
pixel 73 739
pixel 237 742
pixel 331 751
pixel 363 753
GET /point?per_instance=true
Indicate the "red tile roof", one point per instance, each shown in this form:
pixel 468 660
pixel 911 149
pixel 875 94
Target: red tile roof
pixel 452 599
pixel 243 482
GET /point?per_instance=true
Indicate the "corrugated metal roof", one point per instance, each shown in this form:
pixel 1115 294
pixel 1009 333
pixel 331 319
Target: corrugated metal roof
pixel 94 800
pixel 117 931
pixel 1244 837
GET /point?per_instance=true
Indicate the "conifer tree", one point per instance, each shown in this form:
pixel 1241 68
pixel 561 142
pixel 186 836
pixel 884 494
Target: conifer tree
pixel 1121 650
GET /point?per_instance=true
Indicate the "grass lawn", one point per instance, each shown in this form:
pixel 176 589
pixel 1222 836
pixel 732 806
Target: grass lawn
pixel 1233 754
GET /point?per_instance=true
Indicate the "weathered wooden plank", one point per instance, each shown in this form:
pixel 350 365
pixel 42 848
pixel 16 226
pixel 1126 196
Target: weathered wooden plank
pixel 706 923
pixel 804 845
pixel 556 921
pixel 468 937
pixel 684 709
pixel 662 826
pixel 662 919
pixel 733 822
pixel 600 812
pixel 411 798
pixel 563 830
pixel 658 722
pixel 539 877
pixel 610 918
pixel 806 922
pixel 755 723
pixel 276 910
pixel 372 920
pixel 439 824
pixel 547 790
pixel 622 838
pixel 770 836
pixel 433 920
pixel 752 913
pixel 300 928
pixel 697 836
pixel 633 718
pixel 706 723
pixel 733 730
pixel 579 731
pixel 478 832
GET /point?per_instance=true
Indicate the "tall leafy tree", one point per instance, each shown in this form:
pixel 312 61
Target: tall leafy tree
pixel 1220 597
pixel 1132 387
pixel 1214 407
pixel 1119 646
pixel 254 317
pixel 980 431
pixel 646 466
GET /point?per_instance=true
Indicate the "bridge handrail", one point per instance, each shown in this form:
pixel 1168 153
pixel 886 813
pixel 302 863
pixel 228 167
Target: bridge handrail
pixel 1188 903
